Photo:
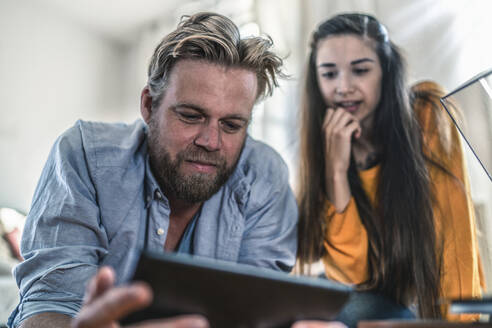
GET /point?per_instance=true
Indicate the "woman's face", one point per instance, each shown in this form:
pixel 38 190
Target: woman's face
pixel 349 75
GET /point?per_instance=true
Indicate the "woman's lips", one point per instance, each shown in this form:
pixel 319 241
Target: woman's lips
pixel 349 106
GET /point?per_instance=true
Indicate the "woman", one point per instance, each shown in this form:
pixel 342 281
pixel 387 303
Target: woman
pixel 377 168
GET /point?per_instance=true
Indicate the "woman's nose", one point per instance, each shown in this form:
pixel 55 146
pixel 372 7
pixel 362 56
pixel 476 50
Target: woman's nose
pixel 344 85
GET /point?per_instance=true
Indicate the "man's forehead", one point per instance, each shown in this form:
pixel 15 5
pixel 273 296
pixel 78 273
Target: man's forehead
pixel 202 82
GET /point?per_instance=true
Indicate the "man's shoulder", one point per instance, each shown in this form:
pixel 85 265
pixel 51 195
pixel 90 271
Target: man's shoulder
pixel 260 155
pixel 106 144
pixel 260 164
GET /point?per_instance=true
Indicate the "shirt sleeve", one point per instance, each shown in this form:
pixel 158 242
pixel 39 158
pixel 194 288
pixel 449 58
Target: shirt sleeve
pixel 346 245
pixel 270 236
pixel 63 240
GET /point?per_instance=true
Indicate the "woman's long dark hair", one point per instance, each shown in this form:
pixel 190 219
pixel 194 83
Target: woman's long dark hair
pixel 404 261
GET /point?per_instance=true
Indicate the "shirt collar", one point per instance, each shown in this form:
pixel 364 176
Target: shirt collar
pixel 152 189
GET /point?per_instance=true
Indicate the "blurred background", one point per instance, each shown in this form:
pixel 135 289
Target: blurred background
pixel 63 60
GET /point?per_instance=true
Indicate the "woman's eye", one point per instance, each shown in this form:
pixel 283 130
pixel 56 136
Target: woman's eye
pixel 329 75
pixel 361 71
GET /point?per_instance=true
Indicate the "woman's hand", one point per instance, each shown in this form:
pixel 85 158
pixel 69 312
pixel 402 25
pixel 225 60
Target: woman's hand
pixel 338 128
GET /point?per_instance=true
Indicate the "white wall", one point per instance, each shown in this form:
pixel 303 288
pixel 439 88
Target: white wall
pixel 52 71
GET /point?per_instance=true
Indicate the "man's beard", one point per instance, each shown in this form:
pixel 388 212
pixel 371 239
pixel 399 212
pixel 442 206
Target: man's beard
pixel 192 188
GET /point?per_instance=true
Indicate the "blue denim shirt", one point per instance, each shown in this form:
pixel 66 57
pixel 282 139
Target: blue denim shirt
pixel 97 195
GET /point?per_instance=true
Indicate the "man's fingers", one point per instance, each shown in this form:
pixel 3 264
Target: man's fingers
pixel 101 282
pixel 185 321
pixel 318 324
pixel 114 305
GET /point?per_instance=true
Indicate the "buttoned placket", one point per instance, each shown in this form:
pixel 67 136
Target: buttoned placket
pixel 158 221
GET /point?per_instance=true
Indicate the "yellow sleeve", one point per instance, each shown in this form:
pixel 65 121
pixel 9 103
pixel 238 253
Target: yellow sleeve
pixel 346 245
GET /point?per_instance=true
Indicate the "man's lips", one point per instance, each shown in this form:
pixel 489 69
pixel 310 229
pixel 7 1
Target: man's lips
pixel 201 166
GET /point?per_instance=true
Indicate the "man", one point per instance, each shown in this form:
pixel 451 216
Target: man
pixel 188 180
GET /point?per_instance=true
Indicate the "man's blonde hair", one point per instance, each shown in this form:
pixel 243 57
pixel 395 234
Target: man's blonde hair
pixel 213 38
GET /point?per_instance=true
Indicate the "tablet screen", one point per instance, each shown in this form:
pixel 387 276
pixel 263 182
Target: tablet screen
pixel 233 295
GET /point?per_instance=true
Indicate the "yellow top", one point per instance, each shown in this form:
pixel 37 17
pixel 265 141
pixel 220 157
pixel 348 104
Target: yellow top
pixel 346 241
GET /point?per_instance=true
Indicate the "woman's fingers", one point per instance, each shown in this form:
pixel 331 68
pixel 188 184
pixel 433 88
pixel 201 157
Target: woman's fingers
pixel 327 119
pixel 352 129
pixel 336 122
pixel 338 128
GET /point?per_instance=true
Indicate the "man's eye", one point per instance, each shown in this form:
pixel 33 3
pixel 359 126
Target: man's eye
pixel 230 127
pixel 188 117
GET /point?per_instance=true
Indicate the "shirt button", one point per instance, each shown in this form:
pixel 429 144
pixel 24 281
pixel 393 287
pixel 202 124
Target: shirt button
pixel 158 195
pixel 160 231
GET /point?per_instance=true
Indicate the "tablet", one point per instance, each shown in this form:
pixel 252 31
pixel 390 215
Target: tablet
pixel 233 295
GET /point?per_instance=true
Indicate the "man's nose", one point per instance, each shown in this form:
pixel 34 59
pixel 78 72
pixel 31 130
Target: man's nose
pixel 209 137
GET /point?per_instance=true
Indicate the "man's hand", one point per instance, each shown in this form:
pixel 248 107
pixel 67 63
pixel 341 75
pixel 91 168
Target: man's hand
pixel 318 324
pixel 104 304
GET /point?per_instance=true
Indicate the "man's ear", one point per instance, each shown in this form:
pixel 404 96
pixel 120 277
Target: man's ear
pixel 146 104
